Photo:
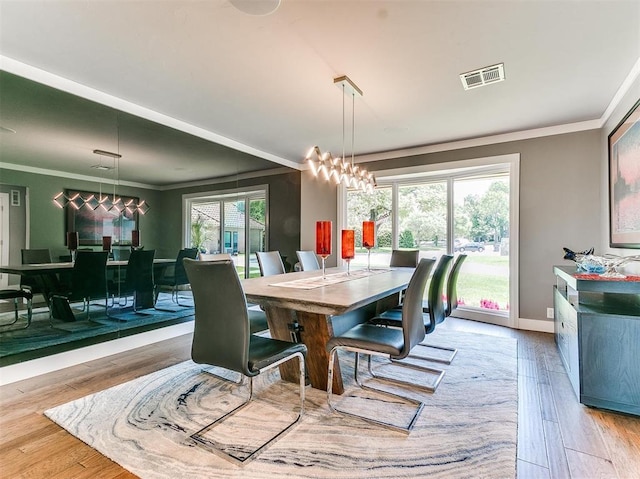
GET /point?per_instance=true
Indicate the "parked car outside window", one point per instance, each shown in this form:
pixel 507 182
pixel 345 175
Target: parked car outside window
pixel 469 246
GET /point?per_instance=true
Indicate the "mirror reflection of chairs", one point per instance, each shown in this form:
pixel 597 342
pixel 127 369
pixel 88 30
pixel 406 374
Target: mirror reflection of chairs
pixel 270 263
pixel 88 284
pixel 17 295
pixel 392 343
pixel 307 260
pixel 222 338
pixel 175 276
pixel 33 256
pixel 137 283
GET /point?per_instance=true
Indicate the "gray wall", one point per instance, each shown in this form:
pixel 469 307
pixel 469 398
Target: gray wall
pixel 318 202
pixel 560 198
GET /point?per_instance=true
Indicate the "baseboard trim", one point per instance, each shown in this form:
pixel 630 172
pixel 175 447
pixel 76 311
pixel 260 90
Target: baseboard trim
pixel 36 367
pixel 541 326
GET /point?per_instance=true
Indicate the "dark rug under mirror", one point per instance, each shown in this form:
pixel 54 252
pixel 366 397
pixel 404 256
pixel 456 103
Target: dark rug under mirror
pixel 44 336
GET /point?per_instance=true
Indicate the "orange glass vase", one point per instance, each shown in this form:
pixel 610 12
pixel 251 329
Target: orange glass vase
pixel 323 241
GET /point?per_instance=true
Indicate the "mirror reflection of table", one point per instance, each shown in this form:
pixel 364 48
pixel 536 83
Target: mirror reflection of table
pixel 308 312
pixel 47 274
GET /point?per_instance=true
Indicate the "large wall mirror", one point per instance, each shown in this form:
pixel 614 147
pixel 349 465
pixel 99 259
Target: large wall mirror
pixel 118 176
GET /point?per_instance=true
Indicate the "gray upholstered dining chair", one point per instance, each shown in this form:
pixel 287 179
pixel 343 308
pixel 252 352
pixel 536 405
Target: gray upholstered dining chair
pixel 257 317
pixel 434 315
pixel 222 338
pixel 395 344
pixel 270 263
pixel 308 260
pixel 404 258
pixel 450 304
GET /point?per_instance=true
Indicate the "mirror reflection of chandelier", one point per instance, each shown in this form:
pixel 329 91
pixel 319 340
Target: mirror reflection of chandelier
pixel 340 170
pixel 104 201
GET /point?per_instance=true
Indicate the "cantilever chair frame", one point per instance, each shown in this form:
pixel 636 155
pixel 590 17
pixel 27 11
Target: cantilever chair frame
pixel 412 330
pixel 228 302
pixel 390 318
pixel 16 294
pixel 199 438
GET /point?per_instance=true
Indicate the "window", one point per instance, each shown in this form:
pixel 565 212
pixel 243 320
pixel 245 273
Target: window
pixel 466 210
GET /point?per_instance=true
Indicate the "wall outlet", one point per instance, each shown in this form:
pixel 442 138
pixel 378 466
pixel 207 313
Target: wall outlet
pixel 550 313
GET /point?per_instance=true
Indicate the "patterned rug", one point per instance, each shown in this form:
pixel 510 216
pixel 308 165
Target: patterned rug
pixel 468 427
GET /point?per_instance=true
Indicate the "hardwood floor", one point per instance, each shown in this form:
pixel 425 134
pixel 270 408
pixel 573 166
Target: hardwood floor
pixel 557 436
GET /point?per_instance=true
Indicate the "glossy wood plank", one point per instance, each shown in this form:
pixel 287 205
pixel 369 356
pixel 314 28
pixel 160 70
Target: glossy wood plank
pixel 532 449
pixel 586 465
pixel 526 470
pixel 558 466
pixel 572 417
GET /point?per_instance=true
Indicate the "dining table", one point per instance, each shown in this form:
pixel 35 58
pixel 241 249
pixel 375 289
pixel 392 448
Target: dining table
pixel 310 307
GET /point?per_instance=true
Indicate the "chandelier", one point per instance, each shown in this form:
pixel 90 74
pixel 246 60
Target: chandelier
pixel 341 170
pixel 105 202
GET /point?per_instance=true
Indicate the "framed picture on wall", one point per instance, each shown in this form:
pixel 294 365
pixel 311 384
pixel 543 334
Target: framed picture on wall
pixel 94 215
pixel 624 181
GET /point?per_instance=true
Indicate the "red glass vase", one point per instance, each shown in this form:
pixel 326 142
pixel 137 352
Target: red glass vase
pixel 135 238
pixel 348 244
pixel 323 238
pixel 368 234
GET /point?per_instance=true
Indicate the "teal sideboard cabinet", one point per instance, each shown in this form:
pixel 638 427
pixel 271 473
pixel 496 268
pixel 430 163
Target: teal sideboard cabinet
pixel 597 330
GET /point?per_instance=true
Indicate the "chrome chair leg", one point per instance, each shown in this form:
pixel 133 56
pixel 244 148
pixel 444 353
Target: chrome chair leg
pixel 334 408
pixel 17 316
pixel 212 446
pixel 429 387
pixel 446 360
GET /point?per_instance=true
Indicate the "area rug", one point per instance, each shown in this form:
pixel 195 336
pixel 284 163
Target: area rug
pixel 468 427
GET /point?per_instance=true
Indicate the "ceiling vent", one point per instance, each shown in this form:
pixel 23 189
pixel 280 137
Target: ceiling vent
pixel 482 77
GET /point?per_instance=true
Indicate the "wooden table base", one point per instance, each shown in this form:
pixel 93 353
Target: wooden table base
pixel 314 330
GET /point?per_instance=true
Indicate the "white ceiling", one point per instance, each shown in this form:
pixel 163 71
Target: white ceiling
pixel 264 84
